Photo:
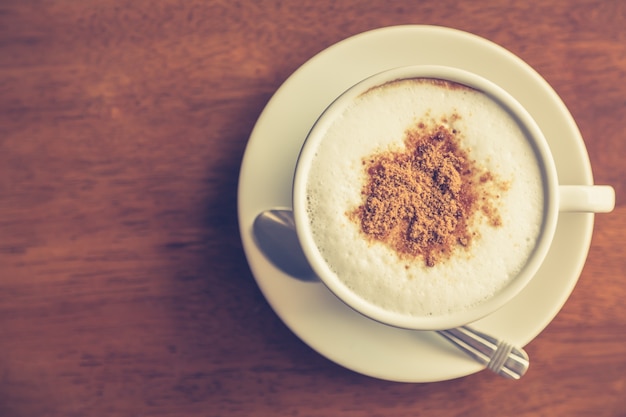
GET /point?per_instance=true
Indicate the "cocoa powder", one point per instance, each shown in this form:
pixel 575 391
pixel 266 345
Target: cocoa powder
pixel 422 201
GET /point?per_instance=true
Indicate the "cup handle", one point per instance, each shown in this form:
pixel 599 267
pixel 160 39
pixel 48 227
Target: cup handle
pixel 586 198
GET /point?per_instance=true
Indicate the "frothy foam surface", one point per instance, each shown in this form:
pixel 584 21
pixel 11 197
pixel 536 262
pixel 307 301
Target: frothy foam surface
pixel 377 122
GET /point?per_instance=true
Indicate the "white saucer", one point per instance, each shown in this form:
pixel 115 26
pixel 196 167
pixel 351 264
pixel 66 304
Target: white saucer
pixel 309 309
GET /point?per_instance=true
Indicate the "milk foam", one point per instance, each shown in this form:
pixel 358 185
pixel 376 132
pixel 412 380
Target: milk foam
pixel 377 122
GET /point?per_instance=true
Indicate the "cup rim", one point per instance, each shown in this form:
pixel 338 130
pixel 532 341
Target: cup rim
pixel 461 317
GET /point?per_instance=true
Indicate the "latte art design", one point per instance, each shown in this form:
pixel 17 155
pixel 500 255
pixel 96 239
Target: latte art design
pixel 424 197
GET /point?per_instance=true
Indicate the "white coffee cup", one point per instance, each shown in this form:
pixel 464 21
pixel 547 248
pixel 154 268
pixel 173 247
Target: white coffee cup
pixel 556 199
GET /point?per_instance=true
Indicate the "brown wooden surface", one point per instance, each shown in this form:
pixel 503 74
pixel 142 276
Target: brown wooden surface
pixel 124 290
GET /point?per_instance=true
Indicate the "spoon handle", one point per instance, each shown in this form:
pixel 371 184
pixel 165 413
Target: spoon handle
pixel 500 357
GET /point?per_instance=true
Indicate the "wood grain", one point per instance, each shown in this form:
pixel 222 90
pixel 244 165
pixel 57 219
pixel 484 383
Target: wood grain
pixel 124 290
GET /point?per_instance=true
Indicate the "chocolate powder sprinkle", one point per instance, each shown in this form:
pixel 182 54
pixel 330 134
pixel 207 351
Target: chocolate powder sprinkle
pixel 421 201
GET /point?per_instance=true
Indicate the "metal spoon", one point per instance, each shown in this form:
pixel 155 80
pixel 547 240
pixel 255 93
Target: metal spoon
pixel 275 234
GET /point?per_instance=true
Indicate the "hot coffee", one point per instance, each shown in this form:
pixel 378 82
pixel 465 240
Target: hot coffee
pixel 424 197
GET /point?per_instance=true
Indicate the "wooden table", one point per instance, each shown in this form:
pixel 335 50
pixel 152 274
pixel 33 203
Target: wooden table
pixel 124 289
